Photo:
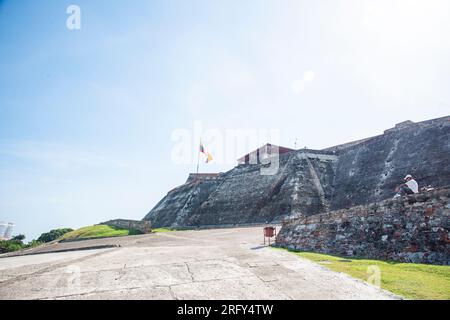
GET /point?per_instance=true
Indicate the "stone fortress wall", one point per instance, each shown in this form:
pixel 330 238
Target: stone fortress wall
pixel 242 195
pixel 337 194
pixel 313 181
pixel 142 226
pixel 414 228
pixel 369 171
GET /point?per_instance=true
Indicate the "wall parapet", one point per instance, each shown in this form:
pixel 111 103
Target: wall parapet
pixel 414 228
pixel 142 226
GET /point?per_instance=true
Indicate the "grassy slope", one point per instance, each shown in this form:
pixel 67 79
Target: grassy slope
pixel 412 281
pixel 98 231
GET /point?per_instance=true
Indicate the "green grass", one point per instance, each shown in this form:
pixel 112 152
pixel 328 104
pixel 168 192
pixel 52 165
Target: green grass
pixel 163 230
pixel 410 280
pixel 98 231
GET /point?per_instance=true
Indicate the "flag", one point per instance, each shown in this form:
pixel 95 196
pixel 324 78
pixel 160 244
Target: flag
pixel 208 155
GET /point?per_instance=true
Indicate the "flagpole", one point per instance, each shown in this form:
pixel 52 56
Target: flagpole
pixel 198 154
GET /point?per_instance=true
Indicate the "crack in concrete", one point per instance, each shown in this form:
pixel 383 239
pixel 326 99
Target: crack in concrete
pixel 174 296
pixel 189 271
pixel 87 293
pixel 122 272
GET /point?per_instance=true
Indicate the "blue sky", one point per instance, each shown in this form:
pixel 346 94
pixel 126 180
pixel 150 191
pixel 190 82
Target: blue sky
pixel 87 117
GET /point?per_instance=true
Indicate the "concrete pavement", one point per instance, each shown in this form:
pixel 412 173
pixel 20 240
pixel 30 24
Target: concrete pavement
pixel 207 264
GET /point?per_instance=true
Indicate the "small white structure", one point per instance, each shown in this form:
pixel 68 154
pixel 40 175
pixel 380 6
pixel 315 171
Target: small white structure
pixel 8 231
pixel 3 226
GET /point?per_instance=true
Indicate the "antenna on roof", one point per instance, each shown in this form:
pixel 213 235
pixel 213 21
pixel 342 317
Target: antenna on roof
pixel 295 143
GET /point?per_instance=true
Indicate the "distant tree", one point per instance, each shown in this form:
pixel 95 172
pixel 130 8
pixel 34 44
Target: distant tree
pixel 19 237
pixel 10 245
pixel 16 243
pixel 53 235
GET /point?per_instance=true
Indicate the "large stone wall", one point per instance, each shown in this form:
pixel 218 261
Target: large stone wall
pixel 244 195
pixel 370 171
pixel 142 226
pixel 179 204
pixel 310 182
pixel 415 228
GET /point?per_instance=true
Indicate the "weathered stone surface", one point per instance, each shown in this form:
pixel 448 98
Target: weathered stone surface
pixel 370 171
pixel 142 226
pixel 243 195
pixel 409 229
pixel 311 181
pixel 179 204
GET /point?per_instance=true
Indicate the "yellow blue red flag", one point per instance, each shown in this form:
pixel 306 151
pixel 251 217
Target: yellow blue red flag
pixel 208 155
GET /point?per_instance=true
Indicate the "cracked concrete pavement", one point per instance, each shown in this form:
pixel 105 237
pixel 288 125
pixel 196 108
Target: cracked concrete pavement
pixel 207 264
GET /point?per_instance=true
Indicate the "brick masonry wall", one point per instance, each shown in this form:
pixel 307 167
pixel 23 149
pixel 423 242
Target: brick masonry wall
pixel 143 226
pixel 414 228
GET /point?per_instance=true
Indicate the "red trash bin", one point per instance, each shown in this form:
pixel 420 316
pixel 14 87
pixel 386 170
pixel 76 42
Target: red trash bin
pixel 269 232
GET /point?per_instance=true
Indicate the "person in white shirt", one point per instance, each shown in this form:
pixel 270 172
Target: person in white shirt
pixel 409 187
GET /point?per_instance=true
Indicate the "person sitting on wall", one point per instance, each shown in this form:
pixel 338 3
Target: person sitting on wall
pixel 409 187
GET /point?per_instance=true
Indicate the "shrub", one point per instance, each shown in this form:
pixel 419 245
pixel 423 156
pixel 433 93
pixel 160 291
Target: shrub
pixel 33 243
pixel 53 235
pixel 10 245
